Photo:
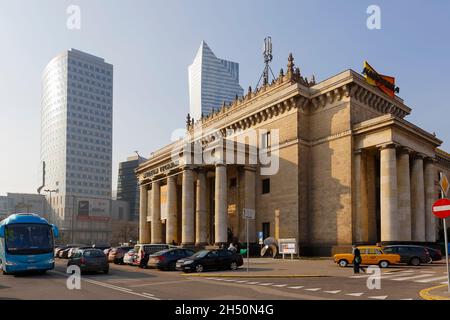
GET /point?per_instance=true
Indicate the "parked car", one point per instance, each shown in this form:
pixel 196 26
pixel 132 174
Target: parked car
pixel 167 259
pixel 116 254
pixel 89 259
pixel 210 260
pixel 410 254
pixel 130 257
pixel 435 254
pixel 144 251
pixel 107 250
pixel 371 255
pixel 57 250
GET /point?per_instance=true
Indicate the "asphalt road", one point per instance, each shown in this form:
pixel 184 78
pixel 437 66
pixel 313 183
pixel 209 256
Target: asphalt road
pixel 128 282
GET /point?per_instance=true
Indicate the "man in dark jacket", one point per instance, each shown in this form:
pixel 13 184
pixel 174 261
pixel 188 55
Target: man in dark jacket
pixel 357 259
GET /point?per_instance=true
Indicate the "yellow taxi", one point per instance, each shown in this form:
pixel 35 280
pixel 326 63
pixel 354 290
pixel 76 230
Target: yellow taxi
pixel 371 255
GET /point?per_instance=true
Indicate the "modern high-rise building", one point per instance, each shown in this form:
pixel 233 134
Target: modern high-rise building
pixel 76 134
pixel 127 185
pixel 212 81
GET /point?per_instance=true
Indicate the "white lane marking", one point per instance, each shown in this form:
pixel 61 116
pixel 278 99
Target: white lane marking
pixel 266 284
pixel 253 282
pixel 411 278
pixel 279 285
pixel 333 292
pixel 431 279
pixel 296 287
pixel 407 299
pixel 356 294
pixel 242 281
pixel 313 289
pixel 378 297
pixel 110 286
pixel 148 294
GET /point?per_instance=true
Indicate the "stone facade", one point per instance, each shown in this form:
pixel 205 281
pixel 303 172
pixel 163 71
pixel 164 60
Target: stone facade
pixel 351 170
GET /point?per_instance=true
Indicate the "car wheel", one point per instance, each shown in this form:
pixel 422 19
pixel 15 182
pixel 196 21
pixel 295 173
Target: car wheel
pixel 343 263
pixel 415 261
pixel 429 260
pixel 172 266
pixel 233 265
pixel 384 264
pixel 106 271
pixel 199 268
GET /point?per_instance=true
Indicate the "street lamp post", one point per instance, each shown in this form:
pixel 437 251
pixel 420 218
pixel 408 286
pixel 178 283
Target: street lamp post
pixel 50 200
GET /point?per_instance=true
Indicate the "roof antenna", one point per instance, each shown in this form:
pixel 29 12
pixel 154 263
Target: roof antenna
pixel 267 54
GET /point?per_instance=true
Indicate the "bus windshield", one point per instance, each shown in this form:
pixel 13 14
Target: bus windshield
pixel 28 238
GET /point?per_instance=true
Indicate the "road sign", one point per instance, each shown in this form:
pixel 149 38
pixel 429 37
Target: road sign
pixel 441 208
pixel 444 184
pixel 249 214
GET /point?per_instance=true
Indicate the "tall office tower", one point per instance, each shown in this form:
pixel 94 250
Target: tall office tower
pixel 76 132
pixel 127 185
pixel 212 81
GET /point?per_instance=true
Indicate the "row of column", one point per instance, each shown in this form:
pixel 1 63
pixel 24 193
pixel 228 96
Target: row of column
pixel 407 192
pixel 194 215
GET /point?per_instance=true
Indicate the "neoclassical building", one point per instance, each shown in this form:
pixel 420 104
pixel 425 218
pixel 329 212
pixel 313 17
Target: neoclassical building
pixel 349 169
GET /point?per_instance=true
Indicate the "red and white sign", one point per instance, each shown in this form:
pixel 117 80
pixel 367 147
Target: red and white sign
pixel 441 208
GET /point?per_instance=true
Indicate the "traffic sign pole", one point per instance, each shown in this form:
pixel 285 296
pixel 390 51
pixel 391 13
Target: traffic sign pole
pixel 444 184
pixel 446 254
pixel 248 247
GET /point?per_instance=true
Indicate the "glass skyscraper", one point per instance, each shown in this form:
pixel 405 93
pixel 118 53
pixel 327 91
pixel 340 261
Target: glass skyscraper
pixel 76 129
pixel 212 81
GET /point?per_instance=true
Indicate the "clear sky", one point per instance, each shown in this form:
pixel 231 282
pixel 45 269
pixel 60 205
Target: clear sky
pixel 151 43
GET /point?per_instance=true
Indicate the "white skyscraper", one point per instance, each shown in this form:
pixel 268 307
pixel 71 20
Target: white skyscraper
pixel 76 132
pixel 212 81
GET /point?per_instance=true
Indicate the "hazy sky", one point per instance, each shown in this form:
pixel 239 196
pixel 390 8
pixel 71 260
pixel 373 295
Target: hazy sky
pixel 151 43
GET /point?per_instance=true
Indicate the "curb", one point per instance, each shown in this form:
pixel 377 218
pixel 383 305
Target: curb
pixel 425 293
pixel 205 275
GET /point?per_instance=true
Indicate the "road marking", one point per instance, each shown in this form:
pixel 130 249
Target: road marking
pixel 253 282
pixel 356 294
pixel 296 287
pixel 431 279
pixel 378 297
pixel 411 278
pixel 229 280
pixel 313 289
pixel 266 284
pixel 241 281
pixel 148 294
pixel 279 285
pixel 333 292
pixel 110 286
pixel 407 299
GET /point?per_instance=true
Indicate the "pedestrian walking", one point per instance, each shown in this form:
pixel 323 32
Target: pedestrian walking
pixel 357 259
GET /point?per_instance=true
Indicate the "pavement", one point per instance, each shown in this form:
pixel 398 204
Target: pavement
pixel 267 279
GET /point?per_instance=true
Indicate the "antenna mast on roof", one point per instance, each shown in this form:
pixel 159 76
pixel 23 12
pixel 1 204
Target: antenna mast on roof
pixel 267 54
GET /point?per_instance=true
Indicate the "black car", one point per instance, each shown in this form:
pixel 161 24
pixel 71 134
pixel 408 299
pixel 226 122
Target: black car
pixel 90 260
pixel 166 259
pixel 435 254
pixel 210 260
pixel 410 254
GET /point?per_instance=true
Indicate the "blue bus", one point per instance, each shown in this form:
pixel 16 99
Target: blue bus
pixel 26 243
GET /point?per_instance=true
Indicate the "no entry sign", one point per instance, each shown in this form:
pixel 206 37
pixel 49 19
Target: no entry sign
pixel 441 208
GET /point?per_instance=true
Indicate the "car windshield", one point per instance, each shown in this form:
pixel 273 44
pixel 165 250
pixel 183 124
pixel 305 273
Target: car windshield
pixel 93 253
pixel 200 254
pixel 27 238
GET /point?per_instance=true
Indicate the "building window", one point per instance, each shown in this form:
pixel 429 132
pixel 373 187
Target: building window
pixel 266 186
pixel 266 140
pixel 266 230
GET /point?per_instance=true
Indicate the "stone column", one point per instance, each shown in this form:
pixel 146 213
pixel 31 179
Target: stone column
pixel 371 197
pixel 187 210
pixel 143 225
pixel 430 197
pixel 361 206
pixel 221 206
pixel 156 213
pixel 250 199
pixel 172 225
pixel 417 199
pixel 404 195
pixel 200 214
pixel 388 193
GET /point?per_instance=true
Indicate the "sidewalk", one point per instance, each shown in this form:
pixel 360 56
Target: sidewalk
pixel 278 268
pixel 436 293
